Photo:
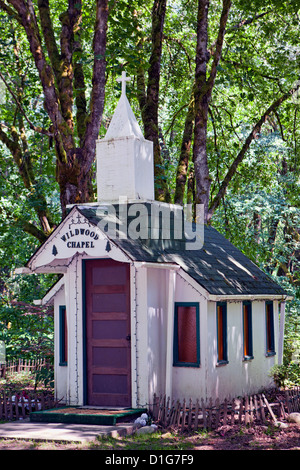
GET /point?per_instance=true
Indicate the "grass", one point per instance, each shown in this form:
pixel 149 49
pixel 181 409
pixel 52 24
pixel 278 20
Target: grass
pixel 151 442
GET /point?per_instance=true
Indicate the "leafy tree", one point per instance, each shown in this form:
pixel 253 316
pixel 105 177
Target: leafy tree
pixel 55 53
pixel 214 86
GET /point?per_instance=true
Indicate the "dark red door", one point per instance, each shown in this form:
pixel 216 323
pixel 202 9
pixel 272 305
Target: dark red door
pixel 108 333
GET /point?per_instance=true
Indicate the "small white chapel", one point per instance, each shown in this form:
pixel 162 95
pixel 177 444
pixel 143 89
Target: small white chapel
pixel 147 302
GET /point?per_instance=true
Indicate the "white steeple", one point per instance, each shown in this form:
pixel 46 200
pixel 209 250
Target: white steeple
pixel 123 123
pixel 124 157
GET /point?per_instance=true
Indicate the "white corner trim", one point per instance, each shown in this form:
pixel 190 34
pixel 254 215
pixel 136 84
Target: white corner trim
pixel 23 270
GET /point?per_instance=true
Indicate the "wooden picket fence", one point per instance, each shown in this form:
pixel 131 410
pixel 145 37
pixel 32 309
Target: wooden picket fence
pixel 292 399
pixel 186 415
pixel 14 407
pixel 27 365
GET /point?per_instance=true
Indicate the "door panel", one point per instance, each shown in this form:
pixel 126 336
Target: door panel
pixel 108 355
pixel 112 302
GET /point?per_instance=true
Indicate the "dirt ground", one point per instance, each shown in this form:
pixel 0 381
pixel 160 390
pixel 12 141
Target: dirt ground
pixel 225 438
pixel 253 438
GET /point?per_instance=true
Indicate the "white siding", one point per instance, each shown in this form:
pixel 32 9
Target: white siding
pixel 190 382
pixel 157 291
pixel 60 372
pixel 239 377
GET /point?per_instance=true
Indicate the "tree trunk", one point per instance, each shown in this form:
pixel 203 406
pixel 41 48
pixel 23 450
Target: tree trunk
pixel 149 102
pixel 60 73
pixel 185 153
pixel 203 91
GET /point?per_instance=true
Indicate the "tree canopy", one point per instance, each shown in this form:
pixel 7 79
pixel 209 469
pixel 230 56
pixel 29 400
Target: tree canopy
pixel 215 86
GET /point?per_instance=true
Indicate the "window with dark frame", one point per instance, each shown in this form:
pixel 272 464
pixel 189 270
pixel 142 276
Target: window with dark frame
pixel 270 339
pixel 63 336
pixel 247 333
pixel 186 335
pixel 222 332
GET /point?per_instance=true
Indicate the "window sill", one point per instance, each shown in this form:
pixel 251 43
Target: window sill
pixel 221 363
pixel 247 358
pixel 270 354
pixel 63 364
pixel 187 365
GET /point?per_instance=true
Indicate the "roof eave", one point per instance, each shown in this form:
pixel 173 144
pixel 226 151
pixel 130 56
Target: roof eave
pixel 240 297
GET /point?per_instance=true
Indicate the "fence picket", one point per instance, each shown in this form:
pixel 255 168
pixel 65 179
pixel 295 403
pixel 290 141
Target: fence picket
pixel 178 413
pixel 12 407
pixel 5 406
pixel 225 411
pixel 166 412
pixel 256 407
pixel 203 414
pixel 210 409
pixel 269 408
pixel 16 407
pixel 232 417
pixel 183 415
pixel 190 414
pixel 26 365
pixel 197 407
pixel 209 415
pixel 240 410
pixel 250 410
pixel 217 416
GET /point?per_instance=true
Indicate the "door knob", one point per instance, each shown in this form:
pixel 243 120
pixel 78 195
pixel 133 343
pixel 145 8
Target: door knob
pixel 128 337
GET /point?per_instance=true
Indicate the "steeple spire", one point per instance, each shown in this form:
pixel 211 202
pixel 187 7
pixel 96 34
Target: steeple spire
pixel 123 79
pixel 124 157
pixel 123 123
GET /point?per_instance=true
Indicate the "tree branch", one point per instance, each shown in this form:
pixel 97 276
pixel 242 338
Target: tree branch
pixel 23 164
pixel 70 21
pixel 38 129
pixel 49 37
pixel 79 80
pixel 98 82
pixel 181 45
pixel 52 104
pixel 31 229
pixel 150 109
pixel 253 134
pixel 219 45
pixel 185 151
pixel 10 11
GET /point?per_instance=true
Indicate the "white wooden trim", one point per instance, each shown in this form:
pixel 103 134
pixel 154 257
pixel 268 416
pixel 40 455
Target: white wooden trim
pixel 170 328
pixel 237 297
pixel 281 333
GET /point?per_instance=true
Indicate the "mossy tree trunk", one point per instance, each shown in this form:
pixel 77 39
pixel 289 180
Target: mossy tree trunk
pixel 61 77
pixel 204 84
pixel 149 98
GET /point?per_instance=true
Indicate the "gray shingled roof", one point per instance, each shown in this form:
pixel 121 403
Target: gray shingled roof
pixel 219 267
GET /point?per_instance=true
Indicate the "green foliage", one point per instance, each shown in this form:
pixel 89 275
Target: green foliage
pixel 18 382
pixel 260 211
pixel 279 374
pixel 26 334
pixel 45 376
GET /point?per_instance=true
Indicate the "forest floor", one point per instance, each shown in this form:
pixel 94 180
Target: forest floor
pixel 225 438
pixel 236 437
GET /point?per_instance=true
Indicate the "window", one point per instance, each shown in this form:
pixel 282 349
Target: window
pixel 63 336
pixel 270 329
pixel 247 327
pixel 186 335
pixel 222 332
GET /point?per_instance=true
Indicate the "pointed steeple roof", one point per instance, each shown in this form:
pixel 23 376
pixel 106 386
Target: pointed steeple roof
pixel 125 163
pixel 123 123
